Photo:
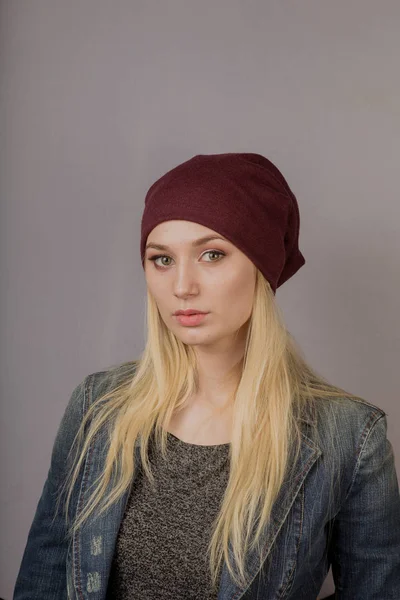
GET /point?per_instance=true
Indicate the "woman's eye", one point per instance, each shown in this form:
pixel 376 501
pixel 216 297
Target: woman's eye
pixel 155 258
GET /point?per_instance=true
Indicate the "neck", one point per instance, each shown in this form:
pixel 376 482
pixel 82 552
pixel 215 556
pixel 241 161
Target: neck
pixel 218 380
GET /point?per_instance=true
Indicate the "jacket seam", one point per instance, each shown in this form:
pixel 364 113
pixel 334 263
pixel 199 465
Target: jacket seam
pixel 366 432
pixel 292 572
pixel 77 564
pixel 377 410
pixel 361 447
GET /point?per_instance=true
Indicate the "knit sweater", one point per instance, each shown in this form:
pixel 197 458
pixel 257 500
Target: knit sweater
pixel 161 549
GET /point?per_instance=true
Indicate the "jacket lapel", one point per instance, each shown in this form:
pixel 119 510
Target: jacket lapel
pixel 309 453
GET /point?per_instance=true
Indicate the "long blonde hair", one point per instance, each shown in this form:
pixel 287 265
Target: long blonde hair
pixel 276 382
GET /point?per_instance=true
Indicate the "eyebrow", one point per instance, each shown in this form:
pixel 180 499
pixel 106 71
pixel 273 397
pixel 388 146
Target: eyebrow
pixel 196 243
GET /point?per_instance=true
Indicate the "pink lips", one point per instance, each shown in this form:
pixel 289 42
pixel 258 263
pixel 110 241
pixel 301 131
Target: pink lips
pixel 189 311
pixel 190 320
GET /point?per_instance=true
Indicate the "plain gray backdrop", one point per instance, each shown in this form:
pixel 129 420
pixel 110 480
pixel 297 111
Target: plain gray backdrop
pixel 98 99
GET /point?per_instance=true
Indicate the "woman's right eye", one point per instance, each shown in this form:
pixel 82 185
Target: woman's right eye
pixel 154 258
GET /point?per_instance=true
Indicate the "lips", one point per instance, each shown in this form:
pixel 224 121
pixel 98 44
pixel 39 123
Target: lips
pixel 191 320
pixel 189 312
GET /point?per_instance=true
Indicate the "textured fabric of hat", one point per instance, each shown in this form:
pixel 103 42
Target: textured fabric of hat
pixel 242 196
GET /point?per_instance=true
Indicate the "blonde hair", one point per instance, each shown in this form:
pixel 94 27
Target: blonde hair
pixel 276 384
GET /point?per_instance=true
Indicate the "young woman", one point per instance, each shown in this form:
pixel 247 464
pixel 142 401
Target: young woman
pixel 219 465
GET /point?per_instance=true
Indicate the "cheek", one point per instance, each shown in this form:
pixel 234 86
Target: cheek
pixel 154 284
pixel 157 292
pixel 236 298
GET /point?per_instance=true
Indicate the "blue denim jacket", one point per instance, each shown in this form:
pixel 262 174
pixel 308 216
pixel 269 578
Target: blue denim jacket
pixel 357 531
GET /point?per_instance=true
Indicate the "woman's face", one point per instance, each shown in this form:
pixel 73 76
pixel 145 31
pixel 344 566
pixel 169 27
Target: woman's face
pixel 214 277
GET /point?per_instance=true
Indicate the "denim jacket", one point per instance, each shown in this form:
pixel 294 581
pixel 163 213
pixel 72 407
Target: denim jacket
pixel 356 529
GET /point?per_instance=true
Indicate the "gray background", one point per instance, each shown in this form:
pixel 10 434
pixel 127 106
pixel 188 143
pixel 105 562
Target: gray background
pixel 98 99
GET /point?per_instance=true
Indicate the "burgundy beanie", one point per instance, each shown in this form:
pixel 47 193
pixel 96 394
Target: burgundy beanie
pixel 242 196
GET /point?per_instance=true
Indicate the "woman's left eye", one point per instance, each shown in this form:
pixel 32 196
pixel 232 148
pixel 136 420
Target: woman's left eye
pixel 214 252
pixel 154 258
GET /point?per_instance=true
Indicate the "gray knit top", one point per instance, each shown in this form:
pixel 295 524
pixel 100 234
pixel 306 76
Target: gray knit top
pixel 161 548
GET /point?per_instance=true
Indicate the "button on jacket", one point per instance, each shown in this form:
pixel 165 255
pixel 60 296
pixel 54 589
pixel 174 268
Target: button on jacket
pixel 343 512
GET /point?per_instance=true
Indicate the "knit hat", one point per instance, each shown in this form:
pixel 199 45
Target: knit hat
pixel 242 196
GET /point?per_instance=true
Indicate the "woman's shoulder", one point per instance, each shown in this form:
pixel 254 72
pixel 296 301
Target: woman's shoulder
pixel 346 422
pixel 107 379
pixel 347 408
pixel 93 386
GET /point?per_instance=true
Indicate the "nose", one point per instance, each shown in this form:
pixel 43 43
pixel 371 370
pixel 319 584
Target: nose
pixel 185 283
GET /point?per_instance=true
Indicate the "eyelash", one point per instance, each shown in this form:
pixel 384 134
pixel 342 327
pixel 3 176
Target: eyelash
pixel 154 258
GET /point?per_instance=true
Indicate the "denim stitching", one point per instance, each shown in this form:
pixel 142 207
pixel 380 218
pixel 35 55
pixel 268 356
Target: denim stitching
pixel 76 545
pixel 360 448
pixel 291 574
pixel 306 466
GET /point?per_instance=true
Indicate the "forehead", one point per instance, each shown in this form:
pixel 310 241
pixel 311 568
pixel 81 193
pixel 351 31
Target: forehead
pixel 182 232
